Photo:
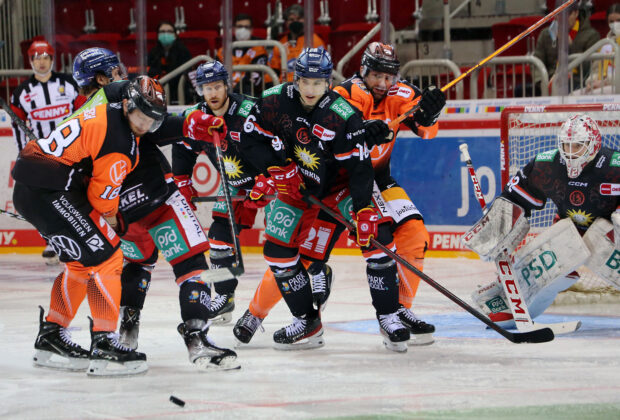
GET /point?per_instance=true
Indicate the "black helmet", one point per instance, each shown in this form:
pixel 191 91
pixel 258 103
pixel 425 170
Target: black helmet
pixel 380 57
pixel 147 95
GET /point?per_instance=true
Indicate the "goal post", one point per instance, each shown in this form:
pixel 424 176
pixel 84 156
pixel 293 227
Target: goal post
pixel 528 130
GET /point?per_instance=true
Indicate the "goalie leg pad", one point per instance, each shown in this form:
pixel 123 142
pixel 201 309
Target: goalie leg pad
pixel 502 228
pixel 605 258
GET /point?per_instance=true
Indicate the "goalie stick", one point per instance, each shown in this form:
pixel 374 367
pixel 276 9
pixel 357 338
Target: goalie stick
pixel 225 273
pixel 16 120
pixel 393 124
pixel 516 301
pixel 535 336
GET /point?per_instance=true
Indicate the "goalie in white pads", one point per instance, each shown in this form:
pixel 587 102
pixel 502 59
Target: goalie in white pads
pixel 583 180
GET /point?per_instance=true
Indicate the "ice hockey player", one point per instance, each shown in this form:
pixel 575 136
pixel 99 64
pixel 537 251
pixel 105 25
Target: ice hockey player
pixel 212 84
pixel 74 176
pixel 152 210
pixel 379 94
pixel 43 101
pixel 309 138
pixel 582 179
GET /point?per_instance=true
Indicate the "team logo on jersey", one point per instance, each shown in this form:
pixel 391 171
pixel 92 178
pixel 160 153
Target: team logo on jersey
pixel 396 90
pixel 61 90
pixel 307 158
pixel 245 108
pixel 95 243
pixel 232 166
pixel 547 156
pixel 224 145
pixel 235 135
pixel 50 112
pixel 323 133
pixel 610 189
pixel 580 217
pixel 67 245
pixel 118 172
pixel 615 159
pixel 577 198
pixel 342 108
pixel 302 135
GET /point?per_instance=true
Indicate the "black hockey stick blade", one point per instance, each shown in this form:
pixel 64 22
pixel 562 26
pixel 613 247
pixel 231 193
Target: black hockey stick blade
pixel 16 120
pixel 536 336
pixel 10 214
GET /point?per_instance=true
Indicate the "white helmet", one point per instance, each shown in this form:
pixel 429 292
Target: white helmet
pixel 579 141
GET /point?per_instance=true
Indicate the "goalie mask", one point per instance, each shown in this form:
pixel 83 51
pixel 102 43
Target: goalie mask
pixel 579 141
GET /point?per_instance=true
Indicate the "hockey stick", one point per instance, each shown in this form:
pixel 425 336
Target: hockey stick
pixel 215 198
pixel 536 336
pixel 16 120
pixel 15 215
pixel 516 301
pixel 225 273
pixel 393 124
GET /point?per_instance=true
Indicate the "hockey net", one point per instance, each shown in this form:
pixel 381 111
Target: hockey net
pixel 529 130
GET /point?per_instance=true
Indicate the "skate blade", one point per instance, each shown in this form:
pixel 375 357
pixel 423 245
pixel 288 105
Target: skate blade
pixel 49 360
pixel 421 339
pixel 399 347
pixel 313 342
pixel 222 319
pixel 102 368
pixel 225 363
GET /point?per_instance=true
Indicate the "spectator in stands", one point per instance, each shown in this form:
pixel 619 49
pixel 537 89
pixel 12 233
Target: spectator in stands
pixel 581 36
pixel 248 83
pixel 43 101
pixel 601 81
pixel 293 41
pixel 167 55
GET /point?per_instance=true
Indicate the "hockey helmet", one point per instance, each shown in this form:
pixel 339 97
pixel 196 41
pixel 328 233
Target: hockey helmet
pixel 90 62
pixel 314 63
pixel 579 141
pixel 40 48
pixel 210 72
pixel 147 95
pixel 380 57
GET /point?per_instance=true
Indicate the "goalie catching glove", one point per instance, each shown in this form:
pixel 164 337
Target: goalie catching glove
pixel 367 223
pixel 263 186
pixel 201 126
pixel 287 180
pixel 432 102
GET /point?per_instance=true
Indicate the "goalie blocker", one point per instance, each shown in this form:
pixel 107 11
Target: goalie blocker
pixel 543 267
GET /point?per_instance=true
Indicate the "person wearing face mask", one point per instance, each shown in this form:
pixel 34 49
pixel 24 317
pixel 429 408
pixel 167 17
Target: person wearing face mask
pixel 581 36
pixel 293 41
pixel 248 83
pixel 43 101
pixel 167 55
pixel 601 80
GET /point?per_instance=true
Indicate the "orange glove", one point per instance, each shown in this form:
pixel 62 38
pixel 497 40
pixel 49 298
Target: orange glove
pixel 287 180
pixel 367 221
pixel 201 126
pixel 184 184
pixel 262 186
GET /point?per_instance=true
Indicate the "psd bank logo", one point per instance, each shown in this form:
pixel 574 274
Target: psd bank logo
pixel 169 240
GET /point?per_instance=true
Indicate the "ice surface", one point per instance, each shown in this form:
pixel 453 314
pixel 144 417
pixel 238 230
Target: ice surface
pixel 467 368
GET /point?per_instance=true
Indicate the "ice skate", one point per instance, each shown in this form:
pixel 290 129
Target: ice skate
pixel 109 358
pixel 202 350
pixel 303 333
pixel 222 307
pixel 56 350
pixel 246 327
pixel 395 333
pixel 130 327
pixel 421 332
pixel 322 286
pixel 50 256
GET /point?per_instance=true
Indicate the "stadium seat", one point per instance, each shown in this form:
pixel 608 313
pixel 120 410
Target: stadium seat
pixel 70 16
pixel 199 42
pixel 506 31
pixel 158 10
pixel 107 40
pixel 202 15
pixel 112 15
pixel 129 51
pixel 401 13
pixel 346 11
pixel 344 38
pixel 599 22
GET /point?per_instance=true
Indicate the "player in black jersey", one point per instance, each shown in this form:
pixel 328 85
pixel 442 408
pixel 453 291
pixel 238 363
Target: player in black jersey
pixel 156 217
pixel 234 108
pixel 311 141
pixel 582 179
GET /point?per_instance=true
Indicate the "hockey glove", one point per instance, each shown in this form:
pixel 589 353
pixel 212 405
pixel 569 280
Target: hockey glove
pixel 287 180
pixel 184 184
pixel 377 132
pixel 367 222
pixel 201 126
pixel 263 186
pixel 431 104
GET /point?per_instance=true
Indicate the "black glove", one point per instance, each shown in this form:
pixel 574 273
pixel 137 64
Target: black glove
pixel 431 104
pixel 377 132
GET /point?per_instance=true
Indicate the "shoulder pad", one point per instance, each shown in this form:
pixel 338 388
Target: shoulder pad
pixel 547 156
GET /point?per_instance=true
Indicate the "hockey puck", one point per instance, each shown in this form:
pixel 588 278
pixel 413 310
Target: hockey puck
pixel 177 401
